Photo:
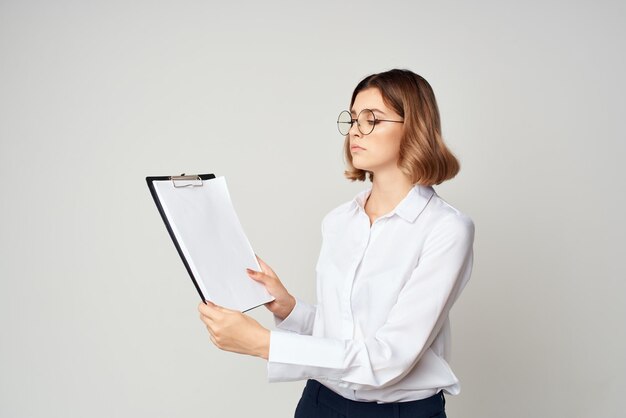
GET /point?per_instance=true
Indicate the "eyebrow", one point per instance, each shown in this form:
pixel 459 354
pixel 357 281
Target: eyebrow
pixel 373 109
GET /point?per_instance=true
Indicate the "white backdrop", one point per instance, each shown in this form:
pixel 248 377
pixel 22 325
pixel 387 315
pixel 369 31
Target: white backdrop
pixel 97 315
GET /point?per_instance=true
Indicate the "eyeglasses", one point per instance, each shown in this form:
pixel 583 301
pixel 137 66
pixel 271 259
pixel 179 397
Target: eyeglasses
pixel 365 121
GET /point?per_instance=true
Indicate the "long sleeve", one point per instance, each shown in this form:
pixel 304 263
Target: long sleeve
pixel 300 320
pixel 421 308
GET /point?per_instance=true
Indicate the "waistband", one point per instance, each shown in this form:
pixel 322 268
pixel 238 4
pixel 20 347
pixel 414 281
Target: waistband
pixel 422 408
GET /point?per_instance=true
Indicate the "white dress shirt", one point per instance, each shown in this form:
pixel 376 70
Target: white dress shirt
pixel 380 329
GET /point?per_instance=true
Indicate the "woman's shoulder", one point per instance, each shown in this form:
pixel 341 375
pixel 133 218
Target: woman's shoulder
pixel 442 214
pixel 341 209
pixel 339 214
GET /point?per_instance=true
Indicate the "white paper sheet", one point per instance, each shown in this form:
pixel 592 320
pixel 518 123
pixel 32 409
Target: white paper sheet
pixel 212 239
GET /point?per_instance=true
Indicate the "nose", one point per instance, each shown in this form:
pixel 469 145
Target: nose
pixel 354 130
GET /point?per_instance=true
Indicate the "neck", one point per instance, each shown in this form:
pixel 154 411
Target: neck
pixel 388 189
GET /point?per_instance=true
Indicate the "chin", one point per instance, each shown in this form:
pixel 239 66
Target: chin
pixel 363 167
pixel 360 167
pixel 358 163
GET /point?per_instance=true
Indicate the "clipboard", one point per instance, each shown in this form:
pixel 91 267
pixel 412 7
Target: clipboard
pixel 197 212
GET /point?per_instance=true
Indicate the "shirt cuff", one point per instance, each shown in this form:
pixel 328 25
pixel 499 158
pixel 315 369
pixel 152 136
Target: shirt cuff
pixel 297 357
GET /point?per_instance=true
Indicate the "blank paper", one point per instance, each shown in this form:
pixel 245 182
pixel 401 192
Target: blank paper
pixel 213 242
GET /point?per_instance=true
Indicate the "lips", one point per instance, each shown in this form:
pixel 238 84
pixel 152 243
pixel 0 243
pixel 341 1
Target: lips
pixel 353 147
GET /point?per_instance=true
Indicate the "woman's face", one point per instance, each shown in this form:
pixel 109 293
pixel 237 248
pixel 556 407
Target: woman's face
pixel 380 148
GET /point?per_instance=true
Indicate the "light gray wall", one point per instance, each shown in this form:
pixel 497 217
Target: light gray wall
pixel 97 315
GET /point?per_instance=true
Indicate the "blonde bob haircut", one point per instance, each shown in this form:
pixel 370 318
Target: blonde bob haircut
pixel 423 155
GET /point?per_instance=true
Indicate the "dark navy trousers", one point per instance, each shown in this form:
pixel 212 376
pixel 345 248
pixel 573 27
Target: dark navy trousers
pixel 320 402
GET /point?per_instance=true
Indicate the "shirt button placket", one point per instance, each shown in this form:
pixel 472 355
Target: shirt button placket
pixel 347 315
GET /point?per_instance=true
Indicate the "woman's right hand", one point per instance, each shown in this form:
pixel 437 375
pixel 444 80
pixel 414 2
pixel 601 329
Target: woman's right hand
pixel 283 302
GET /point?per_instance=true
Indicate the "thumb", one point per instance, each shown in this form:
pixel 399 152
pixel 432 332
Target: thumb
pixel 256 275
pixel 216 306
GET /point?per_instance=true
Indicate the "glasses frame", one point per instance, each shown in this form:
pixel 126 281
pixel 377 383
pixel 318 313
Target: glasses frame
pixel 358 125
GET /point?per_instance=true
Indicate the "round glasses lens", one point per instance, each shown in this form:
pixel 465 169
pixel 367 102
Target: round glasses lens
pixel 366 121
pixel 344 122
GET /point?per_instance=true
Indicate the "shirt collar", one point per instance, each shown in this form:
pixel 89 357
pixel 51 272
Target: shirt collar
pixel 409 207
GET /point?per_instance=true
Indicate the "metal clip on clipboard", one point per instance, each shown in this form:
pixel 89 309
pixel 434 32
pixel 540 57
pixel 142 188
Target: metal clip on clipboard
pixel 191 177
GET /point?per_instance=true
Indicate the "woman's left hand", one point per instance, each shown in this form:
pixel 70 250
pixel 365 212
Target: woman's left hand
pixel 234 331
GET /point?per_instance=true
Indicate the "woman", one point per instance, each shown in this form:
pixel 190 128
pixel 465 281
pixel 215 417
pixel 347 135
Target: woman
pixel 393 261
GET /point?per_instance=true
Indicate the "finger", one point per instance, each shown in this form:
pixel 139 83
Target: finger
pixel 212 338
pixel 209 310
pixel 210 329
pixel 203 308
pixel 262 263
pixel 266 269
pixel 219 308
pixel 214 306
pixel 209 325
pixel 203 305
pixel 257 275
pixel 268 281
pixel 207 321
